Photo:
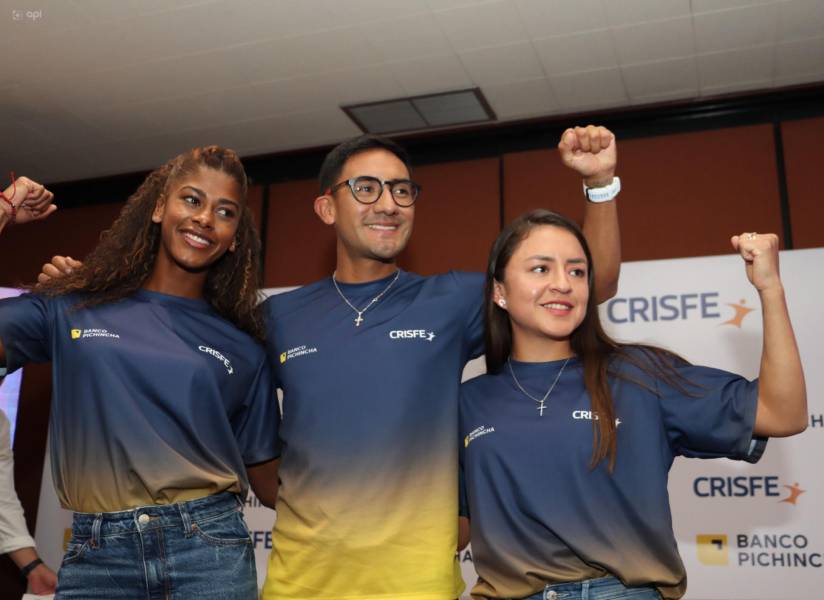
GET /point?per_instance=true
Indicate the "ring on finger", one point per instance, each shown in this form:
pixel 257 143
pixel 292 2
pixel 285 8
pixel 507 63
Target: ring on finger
pixel 751 236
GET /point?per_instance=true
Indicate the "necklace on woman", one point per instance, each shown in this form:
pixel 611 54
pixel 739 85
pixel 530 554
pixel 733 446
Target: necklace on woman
pixel 541 401
pixel 359 318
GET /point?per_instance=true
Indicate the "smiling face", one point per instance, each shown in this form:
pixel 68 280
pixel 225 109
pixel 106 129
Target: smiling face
pixel 198 217
pixel 371 232
pixel 545 290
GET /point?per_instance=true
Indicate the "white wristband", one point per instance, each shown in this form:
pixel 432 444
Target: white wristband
pixel 603 194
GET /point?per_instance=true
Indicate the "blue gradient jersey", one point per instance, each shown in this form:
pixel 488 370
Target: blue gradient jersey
pixel 156 399
pixel 368 497
pixel 540 515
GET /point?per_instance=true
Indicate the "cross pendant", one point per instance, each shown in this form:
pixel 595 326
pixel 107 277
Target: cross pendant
pixel 541 407
pixel 358 320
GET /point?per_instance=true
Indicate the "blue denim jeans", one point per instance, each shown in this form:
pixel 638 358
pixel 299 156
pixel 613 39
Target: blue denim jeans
pixel 604 588
pixel 199 549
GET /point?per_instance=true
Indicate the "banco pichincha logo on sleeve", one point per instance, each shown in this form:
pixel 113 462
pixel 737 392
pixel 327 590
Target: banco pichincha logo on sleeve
pixel 476 433
pixel 297 352
pixel 92 332
pixel 678 307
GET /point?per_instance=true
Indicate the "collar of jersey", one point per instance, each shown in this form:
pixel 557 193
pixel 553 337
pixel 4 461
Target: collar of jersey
pixel 170 300
pixel 369 287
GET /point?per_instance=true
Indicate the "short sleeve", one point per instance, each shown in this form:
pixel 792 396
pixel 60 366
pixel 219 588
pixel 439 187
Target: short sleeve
pixel 25 330
pixel 716 419
pixel 471 291
pixel 256 426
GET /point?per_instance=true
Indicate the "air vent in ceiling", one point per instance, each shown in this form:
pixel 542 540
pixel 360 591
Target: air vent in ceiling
pixel 447 109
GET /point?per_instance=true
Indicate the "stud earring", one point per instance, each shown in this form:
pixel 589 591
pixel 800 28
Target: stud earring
pixel 502 303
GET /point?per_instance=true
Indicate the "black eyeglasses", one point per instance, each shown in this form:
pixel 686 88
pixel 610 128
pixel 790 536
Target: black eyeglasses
pixel 367 189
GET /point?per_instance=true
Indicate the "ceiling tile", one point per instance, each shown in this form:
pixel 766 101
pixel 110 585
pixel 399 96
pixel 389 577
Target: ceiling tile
pixel 797 58
pixel 522 99
pixel 735 67
pixel 702 6
pixel 577 52
pixel 103 11
pixel 655 40
pixel 630 12
pixel 431 74
pixel 407 38
pixel 663 77
pixel 482 25
pixel 502 64
pixel 736 28
pixel 591 89
pixel 355 12
pixel 446 4
pixel 309 54
pixel 799 79
pixel 561 17
pixel 245 21
pixel 661 98
pixel 26 139
pixel 736 87
pixel 800 19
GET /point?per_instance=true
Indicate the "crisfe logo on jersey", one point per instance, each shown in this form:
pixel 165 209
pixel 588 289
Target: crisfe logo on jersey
pixel 219 356
pixel 412 334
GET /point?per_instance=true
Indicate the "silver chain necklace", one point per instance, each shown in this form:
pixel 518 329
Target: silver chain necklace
pixel 359 318
pixel 541 401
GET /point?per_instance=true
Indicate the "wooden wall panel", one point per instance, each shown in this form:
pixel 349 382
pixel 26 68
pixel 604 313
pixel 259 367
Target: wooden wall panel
pixel 70 232
pixel 684 194
pixel 299 247
pixel 803 157
pixel 537 179
pixel 457 217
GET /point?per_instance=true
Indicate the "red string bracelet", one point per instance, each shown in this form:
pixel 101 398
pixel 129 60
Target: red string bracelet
pixel 9 202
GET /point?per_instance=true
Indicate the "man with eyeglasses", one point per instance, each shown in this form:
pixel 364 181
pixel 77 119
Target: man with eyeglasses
pixel 369 361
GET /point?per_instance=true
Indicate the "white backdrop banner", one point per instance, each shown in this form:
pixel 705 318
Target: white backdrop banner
pixel 745 532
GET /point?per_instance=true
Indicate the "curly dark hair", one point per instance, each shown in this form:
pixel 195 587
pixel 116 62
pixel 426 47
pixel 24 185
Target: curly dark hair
pixel 123 259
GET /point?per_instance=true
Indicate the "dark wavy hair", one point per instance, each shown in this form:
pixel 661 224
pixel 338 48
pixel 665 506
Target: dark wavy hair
pixel 597 352
pixel 125 255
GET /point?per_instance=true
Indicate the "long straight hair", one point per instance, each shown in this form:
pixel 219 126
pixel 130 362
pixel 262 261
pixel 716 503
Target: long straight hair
pixel 589 342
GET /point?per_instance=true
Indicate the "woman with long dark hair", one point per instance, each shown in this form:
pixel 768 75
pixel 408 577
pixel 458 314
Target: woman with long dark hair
pixel 568 439
pixel 162 396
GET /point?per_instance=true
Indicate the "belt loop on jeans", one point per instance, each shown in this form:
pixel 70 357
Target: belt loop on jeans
pixel 186 518
pixel 94 541
pixel 585 589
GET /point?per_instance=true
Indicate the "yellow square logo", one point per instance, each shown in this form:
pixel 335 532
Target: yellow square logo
pixel 282 357
pixel 76 333
pixel 712 549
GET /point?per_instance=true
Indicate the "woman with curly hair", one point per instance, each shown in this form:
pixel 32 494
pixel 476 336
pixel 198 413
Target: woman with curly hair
pixel 569 437
pixel 162 396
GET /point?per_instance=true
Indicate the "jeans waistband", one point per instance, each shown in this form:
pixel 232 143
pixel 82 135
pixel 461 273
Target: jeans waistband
pixel 180 514
pixel 577 586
